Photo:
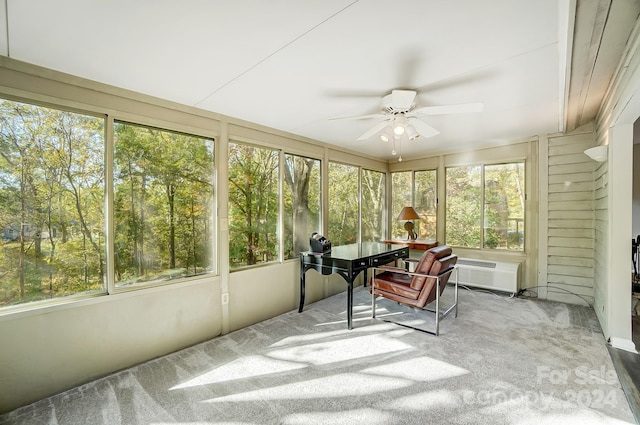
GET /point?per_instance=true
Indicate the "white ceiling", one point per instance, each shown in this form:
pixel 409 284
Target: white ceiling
pixel 294 64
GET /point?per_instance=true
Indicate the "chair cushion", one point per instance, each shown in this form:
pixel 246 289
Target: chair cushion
pixel 428 294
pixel 395 283
pixel 426 263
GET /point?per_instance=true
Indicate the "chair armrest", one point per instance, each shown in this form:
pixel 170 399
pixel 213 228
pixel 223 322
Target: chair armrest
pixel 403 271
pixel 389 269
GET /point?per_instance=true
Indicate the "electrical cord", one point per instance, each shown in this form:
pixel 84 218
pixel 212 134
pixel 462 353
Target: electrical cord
pixel 524 291
pixel 481 290
pixel 529 289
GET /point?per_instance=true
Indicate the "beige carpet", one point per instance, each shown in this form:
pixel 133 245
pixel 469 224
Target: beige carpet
pixel 501 361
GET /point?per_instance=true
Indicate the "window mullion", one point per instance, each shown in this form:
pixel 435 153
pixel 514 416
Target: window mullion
pixel 360 205
pixel 482 206
pixel 108 205
pixel 280 230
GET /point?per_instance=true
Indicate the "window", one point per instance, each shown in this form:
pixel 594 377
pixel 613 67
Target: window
pixel 301 203
pixel 163 200
pixel 504 206
pixel 356 196
pixel 373 206
pixel 485 206
pixel 425 202
pixel 52 203
pixel 343 205
pixel 253 205
pixel 424 186
pixel 401 197
pixel 463 206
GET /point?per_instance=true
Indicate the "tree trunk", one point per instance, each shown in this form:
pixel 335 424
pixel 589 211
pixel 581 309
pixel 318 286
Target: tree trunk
pixel 298 184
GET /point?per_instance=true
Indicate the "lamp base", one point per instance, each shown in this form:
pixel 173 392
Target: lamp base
pixel 411 235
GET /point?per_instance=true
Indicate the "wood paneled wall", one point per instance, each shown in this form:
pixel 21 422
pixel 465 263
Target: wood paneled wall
pixel 570 223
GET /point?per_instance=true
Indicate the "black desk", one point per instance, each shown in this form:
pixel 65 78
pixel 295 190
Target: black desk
pixel 348 261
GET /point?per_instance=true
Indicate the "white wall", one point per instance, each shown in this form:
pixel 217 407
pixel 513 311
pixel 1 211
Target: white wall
pixel 47 350
pixel 636 190
pixel 619 111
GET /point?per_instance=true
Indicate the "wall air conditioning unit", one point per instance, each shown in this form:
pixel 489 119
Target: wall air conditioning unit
pixel 492 275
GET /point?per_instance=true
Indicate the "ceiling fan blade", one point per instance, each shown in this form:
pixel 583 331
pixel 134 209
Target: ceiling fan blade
pixel 360 117
pixel 423 128
pixel 461 108
pixel 375 129
pixel 402 99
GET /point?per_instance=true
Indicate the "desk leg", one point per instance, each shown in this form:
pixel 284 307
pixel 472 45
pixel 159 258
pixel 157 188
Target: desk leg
pixel 364 283
pixel 350 305
pixel 302 284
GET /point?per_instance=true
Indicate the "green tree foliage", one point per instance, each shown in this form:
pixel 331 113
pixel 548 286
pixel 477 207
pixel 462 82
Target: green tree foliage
pixel 162 204
pixel 504 206
pixel 464 206
pixel 343 205
pixel 253 205
pixel 373 206
pixel 52 198
pixel 499 223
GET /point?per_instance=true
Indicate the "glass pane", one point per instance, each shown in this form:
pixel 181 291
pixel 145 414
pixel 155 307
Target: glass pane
pixel 343 204
pixel 163 195
pixel 301 203
pixel 400 198
pixel 504 206
pixel 463 211
pixel 52 208
pixel 373 204
pixel 253 205
pixel 426 203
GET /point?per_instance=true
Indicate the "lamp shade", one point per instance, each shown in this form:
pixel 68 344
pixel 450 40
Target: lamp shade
pixel 399 124
pixel 385 136
pixel 599 153
pixel 408 213
pixel 412 133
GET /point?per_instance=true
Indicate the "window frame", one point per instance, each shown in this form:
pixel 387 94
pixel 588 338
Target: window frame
pixel 109 117
pixel 113 285
pixel 30 305
pixel 283 156
pixel 282 151
pixel 482 166
pixel 412 198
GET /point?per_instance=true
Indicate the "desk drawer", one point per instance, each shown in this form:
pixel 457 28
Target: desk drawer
pixel 388 257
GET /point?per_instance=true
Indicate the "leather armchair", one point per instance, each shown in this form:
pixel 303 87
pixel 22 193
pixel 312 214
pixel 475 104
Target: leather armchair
pixel 419 287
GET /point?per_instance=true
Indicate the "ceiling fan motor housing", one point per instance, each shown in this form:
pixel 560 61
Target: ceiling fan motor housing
pixel 399 101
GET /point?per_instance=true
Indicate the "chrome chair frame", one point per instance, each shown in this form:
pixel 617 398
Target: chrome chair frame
pixel 439 316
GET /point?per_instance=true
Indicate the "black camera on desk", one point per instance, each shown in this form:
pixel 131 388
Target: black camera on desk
pixel 319 243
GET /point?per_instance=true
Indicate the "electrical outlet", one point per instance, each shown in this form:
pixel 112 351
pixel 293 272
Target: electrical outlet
pixel 225 298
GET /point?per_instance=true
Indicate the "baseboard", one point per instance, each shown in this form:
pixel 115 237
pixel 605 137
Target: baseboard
pixel 623 344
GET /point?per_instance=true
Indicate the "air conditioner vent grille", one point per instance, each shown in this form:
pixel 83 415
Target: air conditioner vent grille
pixel 467 262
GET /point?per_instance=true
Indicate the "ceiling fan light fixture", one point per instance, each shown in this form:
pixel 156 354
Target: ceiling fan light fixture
pixel 385 136
pixel 412 133
pixel 399 124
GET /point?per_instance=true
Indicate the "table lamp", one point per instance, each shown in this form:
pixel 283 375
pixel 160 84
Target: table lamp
pixel 408 213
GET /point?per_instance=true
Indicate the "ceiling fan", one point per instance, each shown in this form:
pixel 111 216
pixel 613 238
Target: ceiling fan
pixel 402 116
